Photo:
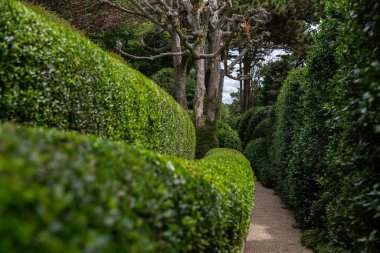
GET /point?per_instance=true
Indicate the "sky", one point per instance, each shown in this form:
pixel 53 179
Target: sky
pixel 232 85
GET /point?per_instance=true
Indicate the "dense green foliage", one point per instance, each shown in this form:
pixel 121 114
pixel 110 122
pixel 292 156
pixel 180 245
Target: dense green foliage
pixel 165 79
pixel 288 114
pixel 207 138
pixel 249 120
pixel 66 192
pixel 353 152
pixel 257 150
pixel 273 74
pixel 228 137
pixel 257 153
pixel 130 34
pixel 324 150
pixel 233 171
pixel 52 77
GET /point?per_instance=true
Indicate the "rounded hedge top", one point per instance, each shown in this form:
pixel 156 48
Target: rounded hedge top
pixel 51 76
pixel 66 192
pixel 249 120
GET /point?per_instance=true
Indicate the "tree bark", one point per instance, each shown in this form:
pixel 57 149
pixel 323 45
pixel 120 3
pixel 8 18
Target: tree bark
pixel 246 84
pixel 214 78
pixel 200 90
pixel 180 71
pixel 220 96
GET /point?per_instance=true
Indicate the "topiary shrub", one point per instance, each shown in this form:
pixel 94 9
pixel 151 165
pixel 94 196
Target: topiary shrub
pixel 235 180
pixel 165 79
pixel 332 177
pixel 262 129
pixel 288 115
pixel 207 138
pixel 228 138
pixel 66 192
pixel 353 151
pixel 257 153
pixel 249 121
pixel 51 76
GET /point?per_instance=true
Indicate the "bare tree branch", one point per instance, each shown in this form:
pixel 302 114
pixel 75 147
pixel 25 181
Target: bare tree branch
pixel 155 50
pixel 118 47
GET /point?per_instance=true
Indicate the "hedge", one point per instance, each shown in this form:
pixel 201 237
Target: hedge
pixel 325 148
pixel 257 152
pixel 66 192
pixel 288 115
pixel 165 79
pixel 249 120
pixel 53 77
pixel 232 170
pixel 207 139
pixel 228 137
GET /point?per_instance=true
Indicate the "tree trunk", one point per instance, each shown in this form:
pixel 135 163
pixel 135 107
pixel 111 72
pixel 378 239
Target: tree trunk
pixel 200 90
pixel 220 96
pixel 246 85
pixel 180 71
pixel 214 78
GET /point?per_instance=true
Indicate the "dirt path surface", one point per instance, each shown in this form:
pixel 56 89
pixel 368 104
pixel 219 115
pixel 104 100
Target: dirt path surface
pixel 271 229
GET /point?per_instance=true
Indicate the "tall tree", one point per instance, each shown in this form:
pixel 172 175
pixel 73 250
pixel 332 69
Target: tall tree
pixel 203 30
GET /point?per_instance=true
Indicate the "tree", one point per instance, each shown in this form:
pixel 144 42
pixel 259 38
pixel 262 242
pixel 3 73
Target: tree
pixel 295 17
pixel 203 31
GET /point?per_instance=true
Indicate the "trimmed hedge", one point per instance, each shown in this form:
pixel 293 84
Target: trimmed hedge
pixel 228 137
pixel 325 149
pixel 257 153
pixel 66 192
pixel 235 179
pixel 249 121
pixel 207 139
pixel 165 79
pixel 52 77
pixel 288 120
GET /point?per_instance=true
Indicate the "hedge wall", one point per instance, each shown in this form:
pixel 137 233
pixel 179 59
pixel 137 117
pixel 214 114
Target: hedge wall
pixel 249 120
pixel 66 192
pixel 51 76
pixel 228 137
pixel 325 148
pixel 288 121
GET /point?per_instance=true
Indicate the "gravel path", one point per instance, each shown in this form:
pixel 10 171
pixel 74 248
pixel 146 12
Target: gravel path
pixel 271 229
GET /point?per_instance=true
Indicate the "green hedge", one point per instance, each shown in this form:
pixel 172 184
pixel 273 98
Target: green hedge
pixel 234 175
pixel 325 148
pixel 249 121
pixel 288 115
pixel 228 137
pixel 51 76
pixel 207 139
pixel 66 192
pixel 257 152
pixel 165 79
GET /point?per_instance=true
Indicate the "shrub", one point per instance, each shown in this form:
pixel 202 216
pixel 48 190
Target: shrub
pixel 228 138
pixel 353 153
pixel 165 79
pixel 288 114
pixel 207 138
pixel 257 153
pixel 261 129
pixel 235 176
pixel 331 152
pixel 66 192
pixel 50 76
pixel 249 121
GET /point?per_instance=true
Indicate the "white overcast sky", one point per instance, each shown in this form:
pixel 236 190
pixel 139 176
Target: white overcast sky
pixel 232 85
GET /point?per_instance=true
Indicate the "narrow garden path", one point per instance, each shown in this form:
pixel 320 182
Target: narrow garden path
pixel 271 229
